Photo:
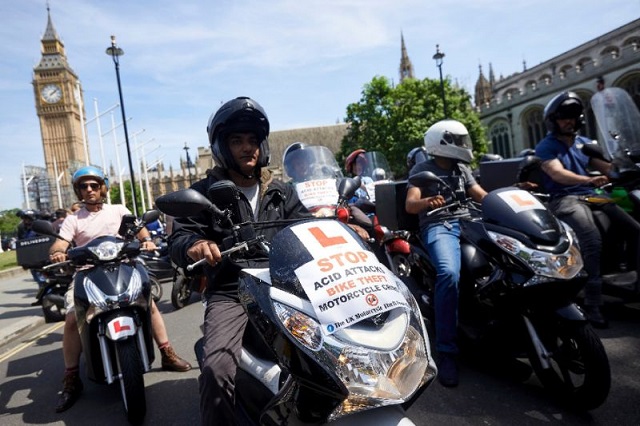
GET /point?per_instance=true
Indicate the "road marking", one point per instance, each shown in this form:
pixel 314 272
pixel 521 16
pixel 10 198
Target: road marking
pixel 30 342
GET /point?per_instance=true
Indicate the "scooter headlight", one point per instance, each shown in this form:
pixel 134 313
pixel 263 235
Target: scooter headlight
pixel 99 301
pixel 107 250
pixel 545 264
pixel 305 329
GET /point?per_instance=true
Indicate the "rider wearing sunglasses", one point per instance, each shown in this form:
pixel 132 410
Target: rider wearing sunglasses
pixel 94 219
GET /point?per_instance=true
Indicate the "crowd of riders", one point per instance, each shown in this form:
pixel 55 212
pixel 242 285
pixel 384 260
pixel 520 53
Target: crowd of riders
pixel 238 134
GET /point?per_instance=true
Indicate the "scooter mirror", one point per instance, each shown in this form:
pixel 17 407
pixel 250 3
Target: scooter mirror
pixel 183 203
pixel 593 150
pixel 43 227
pixel 150 216
pixel 226 196
pixel 348 187
pixel 426 178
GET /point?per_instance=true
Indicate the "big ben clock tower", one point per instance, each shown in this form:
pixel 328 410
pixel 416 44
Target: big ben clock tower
pixel 60 111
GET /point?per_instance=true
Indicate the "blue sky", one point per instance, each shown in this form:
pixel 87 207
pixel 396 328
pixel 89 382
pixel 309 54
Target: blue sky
pixel 304 61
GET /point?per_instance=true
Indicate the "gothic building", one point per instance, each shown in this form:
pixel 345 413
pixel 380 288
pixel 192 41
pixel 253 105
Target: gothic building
pixel 512 107
pixel 406 67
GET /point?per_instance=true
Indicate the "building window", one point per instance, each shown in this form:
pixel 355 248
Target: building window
pixel 500 140
pixel 534 128
pixel 632 85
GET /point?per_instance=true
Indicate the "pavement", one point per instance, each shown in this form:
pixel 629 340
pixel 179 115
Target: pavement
pixel 17 316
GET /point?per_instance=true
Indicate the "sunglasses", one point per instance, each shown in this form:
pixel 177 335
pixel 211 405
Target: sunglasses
pixel 93 185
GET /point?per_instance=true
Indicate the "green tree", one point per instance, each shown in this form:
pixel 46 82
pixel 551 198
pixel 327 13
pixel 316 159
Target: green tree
pixel 393 119
pixel 9 222
pixel 115 196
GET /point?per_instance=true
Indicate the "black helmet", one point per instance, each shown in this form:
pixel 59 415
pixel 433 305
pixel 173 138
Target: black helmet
pixel 296 153
pixel 564 105
pixel 241 114
pixel 29 214
pixel 416 155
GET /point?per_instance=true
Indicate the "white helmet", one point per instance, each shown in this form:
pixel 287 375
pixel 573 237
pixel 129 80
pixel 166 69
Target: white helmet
pixel 449 139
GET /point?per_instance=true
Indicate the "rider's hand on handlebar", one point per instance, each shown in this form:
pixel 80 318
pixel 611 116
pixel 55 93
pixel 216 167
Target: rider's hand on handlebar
pixel 435 202
pixel 599 180
pixel 58 257
pixel 362 233
pixel 148 246
pixel 204 249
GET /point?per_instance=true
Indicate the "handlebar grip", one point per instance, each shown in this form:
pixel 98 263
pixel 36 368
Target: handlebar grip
pixel 196 264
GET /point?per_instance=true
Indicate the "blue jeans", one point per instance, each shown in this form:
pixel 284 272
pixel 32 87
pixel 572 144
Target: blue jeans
pixel 443 245
pixel 578 215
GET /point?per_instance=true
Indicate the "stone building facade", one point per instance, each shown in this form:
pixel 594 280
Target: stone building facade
pixel 162 181
pixel 511 108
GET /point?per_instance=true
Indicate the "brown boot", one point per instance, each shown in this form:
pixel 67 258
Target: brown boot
pixel 71 389
pixel 172 362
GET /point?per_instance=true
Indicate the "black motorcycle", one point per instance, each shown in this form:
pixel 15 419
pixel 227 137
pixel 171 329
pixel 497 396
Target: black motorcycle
pixel 186 282
pixel 303 358
pixel 33 254
pixel 51 295
pixel 112 292
pixel 159 267
pixel 521 271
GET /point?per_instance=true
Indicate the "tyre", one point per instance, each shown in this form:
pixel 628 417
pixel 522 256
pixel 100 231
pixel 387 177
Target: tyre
pixel 579 373
pixel 131 371
pixel 401 265
pixel 156 289
pixel 181 292
pixel 424 298
pixel 53 303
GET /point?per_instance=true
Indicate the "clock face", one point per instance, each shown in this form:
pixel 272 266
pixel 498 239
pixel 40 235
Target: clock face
pixel 51 93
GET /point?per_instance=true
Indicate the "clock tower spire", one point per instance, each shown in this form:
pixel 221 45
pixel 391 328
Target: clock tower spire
pixel 58 98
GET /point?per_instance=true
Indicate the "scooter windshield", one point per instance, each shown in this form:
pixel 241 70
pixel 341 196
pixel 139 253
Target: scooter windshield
pixel 314 172
pixel 376 171
pixel 618 121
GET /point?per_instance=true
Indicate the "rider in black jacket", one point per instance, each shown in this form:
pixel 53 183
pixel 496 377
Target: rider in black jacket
pixel 238 133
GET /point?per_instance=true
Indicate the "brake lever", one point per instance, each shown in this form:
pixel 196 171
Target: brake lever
pixel 238 247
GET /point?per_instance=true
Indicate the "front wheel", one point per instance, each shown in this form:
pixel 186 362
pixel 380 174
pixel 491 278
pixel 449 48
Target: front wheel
pixel 181 292
pixel 578 372
pixel 131 380
pixel 156 289
pixel 400 265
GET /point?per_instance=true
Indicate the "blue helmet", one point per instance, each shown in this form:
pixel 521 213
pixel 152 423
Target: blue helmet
pixel 90 171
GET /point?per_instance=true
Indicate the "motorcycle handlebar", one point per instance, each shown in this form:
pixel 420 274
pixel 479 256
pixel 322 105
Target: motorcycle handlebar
pixel 56 265
pixel 225 253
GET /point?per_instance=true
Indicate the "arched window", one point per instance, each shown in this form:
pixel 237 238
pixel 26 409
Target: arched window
pixel 534 127
pixel 589 129
pixel 545 79
pixel 632 85
pixel 500 139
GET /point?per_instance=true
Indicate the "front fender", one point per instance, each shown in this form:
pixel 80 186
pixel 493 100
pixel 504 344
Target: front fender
pixel 571 313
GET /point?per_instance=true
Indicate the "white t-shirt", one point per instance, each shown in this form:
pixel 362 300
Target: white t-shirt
pixel 84 226
pixel 251 192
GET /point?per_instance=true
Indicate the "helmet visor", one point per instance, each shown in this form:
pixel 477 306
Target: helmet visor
pixel 569 109
pixel 462 141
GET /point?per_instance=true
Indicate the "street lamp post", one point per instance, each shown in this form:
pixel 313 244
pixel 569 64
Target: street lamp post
pixel 438 58
pixel 115 52
pixel 186 149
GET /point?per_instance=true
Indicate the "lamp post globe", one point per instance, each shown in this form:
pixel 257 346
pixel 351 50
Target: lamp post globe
pixel 115 52
pixel 438 57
